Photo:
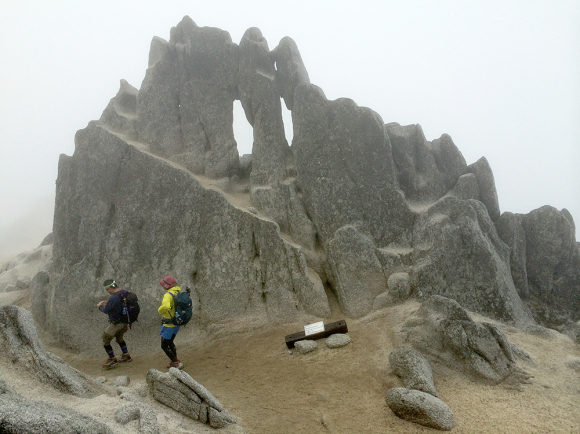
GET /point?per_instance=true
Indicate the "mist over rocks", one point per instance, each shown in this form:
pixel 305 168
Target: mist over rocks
pixel 156 186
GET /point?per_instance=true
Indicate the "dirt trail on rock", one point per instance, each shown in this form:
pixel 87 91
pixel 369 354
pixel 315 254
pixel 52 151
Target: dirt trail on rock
pixel 273 390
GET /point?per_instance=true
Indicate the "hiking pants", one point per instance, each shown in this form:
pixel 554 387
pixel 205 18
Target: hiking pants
pixel 167 336
pixel 115 331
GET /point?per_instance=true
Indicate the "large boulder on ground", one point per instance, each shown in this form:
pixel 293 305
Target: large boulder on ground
pixel 420 407
pixel 442 330
pixel 544 262
pixel 178 390
pixel 413 369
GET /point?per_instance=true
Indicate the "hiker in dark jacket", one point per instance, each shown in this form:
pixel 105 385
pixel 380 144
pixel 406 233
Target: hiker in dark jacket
pixel 117 323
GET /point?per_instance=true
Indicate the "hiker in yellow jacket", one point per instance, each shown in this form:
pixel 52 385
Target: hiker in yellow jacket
pixel 168 329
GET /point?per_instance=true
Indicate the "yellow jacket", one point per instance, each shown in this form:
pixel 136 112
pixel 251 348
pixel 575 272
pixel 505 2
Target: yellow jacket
pixel 167 308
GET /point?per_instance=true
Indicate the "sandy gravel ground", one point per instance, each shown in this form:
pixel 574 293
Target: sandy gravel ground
pixel 273 390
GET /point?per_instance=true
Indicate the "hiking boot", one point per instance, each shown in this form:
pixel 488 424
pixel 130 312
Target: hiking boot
pixel 177 364
pixel 111 363
pixel 125 358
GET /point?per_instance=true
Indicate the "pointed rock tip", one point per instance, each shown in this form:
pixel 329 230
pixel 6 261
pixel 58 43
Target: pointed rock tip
pixel 187 23
pixel 185 26
pixel 126 87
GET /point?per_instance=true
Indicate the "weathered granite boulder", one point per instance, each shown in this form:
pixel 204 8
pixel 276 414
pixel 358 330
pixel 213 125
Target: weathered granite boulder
pixel 19 415
pixel 399 285
pixel 420 407
pixel 425 170
pixel 269 235
pixel 261 102
pixel 178 390
pixel 338 340
pixel 121 113
pixel 449 159
pixel 552 263
pixel 458 254
pixel 358 274
pixel 413 369
pixel 18 272
pixel 443 330
pixel 22 416
pixel 544 262
pixel 238 262
pixel 572 330
pixel 466 187
pixel 345 168
pixel 140 412
pixel 306 346
pixel 510 230
pixel 486 183
pixel 290 69
pixel 127 413
pixel 185 103
pixel 19 342
pixel 281 203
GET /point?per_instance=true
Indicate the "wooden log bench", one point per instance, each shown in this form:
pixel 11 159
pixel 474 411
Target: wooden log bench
pixel 329 329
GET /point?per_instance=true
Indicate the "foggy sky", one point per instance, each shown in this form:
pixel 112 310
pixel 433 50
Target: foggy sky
pixel 502 78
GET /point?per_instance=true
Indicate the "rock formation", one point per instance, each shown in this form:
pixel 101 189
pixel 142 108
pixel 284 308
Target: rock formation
pixel 418 401
pixel 420 407
pixel 19 415
pixel 17 273
pixel 414 370
pixel 442 330
pixel 19 342
pixel 178 390
pixel 156 187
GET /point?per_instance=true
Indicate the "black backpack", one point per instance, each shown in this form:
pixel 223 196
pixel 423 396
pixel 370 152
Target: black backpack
pixel 183 307
pixel 131 308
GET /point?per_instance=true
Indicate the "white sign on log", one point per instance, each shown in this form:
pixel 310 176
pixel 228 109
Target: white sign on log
pixel 316 327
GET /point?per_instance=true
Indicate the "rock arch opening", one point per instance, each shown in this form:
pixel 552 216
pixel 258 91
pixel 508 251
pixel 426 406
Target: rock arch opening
pixel 243 131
